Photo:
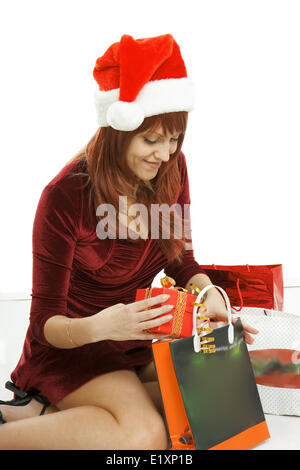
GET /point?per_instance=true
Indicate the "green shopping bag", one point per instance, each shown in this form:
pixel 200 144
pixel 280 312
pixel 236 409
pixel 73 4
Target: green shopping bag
pixel 218 389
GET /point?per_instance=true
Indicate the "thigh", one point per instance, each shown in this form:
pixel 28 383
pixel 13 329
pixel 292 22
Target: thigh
pixel 148 377
pixel 119 392
pixel 147 373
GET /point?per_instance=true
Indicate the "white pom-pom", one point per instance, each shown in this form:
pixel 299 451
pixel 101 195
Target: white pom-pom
pixel 124 116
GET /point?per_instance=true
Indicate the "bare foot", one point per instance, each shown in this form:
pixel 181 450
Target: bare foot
pixel 33 408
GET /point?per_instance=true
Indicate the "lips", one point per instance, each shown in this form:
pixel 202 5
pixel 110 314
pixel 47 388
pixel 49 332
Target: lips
pixel 153 164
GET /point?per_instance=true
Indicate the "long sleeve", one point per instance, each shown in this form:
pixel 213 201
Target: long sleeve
pixel 53 243
pixel 183 271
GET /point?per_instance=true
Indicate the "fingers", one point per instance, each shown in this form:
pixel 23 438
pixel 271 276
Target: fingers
pixel 146 303
pixel 156 322
pixel 154 312
pixel 248 338
pixel 151 336
pixel 249 328
pixel 246 327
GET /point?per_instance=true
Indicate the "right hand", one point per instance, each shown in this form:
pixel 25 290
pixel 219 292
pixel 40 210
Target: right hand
pixel 123 322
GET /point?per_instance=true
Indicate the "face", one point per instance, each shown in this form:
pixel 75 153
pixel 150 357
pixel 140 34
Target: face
pixel 149 150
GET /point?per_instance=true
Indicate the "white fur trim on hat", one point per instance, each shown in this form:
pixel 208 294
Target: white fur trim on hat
pixel 125 116
pixel 156 97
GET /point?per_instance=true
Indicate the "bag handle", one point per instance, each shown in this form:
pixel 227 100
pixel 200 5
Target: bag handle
pixel 242 301
pixel 240 296
pixel 238 289
pixel 196 340
pixel 247 266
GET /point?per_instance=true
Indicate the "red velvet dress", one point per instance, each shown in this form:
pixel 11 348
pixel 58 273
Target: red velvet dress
pixel 77 274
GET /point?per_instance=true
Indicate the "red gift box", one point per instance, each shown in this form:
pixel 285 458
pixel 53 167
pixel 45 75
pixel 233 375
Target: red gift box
pixel 181 325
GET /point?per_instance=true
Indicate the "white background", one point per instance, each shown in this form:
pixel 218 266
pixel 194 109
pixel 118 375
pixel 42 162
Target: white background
pixel 242 145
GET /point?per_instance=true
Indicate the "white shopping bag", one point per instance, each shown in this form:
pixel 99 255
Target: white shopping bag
pixel 275 358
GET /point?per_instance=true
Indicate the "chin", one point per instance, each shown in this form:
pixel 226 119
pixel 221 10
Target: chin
pixel 144 176
pixel 147 175
pixel 147 178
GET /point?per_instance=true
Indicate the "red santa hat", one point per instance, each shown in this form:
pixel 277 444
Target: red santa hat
pixel 138 78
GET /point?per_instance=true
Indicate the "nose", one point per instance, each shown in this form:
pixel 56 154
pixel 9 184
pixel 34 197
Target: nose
pixel 163 154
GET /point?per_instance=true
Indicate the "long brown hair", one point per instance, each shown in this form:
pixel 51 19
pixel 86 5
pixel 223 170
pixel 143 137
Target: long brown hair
pixel 108 175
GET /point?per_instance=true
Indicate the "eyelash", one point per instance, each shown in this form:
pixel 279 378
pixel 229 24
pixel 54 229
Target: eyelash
pixel 150 142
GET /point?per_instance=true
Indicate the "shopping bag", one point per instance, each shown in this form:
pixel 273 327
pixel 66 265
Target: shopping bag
pixel 176 421
pixel 249 285
pixel 211 397
pixel 275 358
pixel 181 325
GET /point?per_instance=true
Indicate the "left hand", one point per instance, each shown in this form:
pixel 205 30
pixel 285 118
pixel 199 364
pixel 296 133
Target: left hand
pixel 216 310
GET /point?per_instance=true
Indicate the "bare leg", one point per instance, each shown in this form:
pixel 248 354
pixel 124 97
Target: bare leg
pixel 112 411
pixel 154 393
pixel 147 373
pixel 34 408
pixel 75 428
pixel 148 377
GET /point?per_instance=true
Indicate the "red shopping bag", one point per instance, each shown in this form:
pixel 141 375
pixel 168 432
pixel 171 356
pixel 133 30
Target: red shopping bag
pixel 249 285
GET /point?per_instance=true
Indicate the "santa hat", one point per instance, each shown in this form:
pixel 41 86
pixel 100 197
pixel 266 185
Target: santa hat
pixel 138 78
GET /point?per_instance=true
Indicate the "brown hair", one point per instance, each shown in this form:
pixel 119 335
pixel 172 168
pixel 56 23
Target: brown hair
pixel 108 175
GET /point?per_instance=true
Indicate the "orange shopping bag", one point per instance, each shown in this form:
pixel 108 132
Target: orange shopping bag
pixel 177 424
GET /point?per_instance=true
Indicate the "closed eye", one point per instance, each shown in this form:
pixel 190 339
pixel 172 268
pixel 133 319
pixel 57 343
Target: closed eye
pixel 155 141
pixel 149 141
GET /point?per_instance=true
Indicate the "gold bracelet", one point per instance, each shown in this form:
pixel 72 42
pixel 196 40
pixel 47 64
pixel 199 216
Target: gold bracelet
pixel 68 333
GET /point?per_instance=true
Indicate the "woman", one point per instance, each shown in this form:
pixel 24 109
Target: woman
pixel 87 352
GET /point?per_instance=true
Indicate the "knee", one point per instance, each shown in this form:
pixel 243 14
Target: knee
pixel 148 434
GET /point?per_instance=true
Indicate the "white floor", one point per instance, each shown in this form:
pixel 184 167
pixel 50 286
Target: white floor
pixel 284 432
pixel 14 320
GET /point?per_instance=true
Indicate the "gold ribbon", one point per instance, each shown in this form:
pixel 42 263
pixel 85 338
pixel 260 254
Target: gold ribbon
pixel 169 283
pixel 205 348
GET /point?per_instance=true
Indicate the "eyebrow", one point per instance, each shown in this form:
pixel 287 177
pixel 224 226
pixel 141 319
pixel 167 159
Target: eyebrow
pixel 161 135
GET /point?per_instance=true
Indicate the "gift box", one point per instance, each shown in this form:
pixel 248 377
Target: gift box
pixel 181 325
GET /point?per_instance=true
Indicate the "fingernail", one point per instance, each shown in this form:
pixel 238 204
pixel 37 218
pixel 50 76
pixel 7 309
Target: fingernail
pixel 165 296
